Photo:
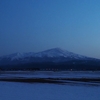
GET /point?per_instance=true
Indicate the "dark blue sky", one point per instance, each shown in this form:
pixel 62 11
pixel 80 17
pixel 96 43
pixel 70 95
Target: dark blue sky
pixel 36 25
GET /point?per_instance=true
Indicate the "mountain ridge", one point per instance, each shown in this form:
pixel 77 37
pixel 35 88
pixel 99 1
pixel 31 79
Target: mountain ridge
pixel 54 52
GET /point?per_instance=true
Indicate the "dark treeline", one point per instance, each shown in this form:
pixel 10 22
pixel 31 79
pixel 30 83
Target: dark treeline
pixel 75 65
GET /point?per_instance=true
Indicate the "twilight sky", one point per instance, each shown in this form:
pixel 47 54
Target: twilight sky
pixel 36 25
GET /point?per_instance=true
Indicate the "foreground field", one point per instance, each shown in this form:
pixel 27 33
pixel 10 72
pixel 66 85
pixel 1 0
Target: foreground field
pixel 49 85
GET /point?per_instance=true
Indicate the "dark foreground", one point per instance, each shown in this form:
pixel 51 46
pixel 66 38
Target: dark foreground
pixel 84 81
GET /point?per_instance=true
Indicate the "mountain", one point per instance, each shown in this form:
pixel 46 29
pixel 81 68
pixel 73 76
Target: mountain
pixel 56 53
pixel 56 58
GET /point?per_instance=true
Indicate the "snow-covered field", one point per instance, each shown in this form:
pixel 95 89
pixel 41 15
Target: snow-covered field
pixel 25 91
pixel 47 91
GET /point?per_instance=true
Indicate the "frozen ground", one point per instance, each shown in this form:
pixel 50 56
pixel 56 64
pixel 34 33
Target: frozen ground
pixel 47 91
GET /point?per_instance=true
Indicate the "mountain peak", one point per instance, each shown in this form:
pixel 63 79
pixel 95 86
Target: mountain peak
pixel 54 49
pixel 58 52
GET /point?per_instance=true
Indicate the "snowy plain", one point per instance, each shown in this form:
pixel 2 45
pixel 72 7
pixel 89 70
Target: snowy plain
pixel 48 91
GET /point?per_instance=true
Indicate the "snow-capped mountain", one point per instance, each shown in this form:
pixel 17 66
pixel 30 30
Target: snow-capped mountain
pixel 51 55
pixel 55 52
